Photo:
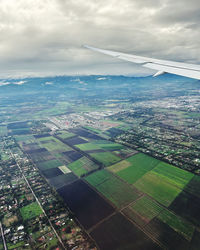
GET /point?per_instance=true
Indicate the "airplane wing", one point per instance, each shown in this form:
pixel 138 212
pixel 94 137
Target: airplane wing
pixel 161 66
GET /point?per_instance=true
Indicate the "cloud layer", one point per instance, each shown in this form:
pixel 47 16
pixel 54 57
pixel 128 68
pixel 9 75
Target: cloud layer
pixel 45 37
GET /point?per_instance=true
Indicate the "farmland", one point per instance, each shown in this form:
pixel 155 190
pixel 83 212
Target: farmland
pixel 52 144
pixel 146 208
pixel 64 169
pixel 174 175
pixel 64 134
pixel 158 188
pixel 82 166
pixel 41 154
pixel 62 180
pixel 134 167
pixel 99 144
pixel 88 213
pixel 118 192
pixel 119 233
pixel 142 211
pixel 177 223
pixel 106 158
pixel 166 235
pixel 119 166
pixel 49 164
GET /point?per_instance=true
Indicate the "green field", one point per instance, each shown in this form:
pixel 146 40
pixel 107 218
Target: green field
pixel 106 158
pixel 118 192
pixel 119 166
pixel 177 223
pixel 98 177
pixel 30 211
pixel 24 138
pixel 82 166
pixel 139 165
pixel 49 164
pixel 64 134
pixel 53 144
pixel 146 208
pixel 77 167
pixel 125 152
pixel 143 210
pixel 100 144
pixel 158 188
pixel 93 129
pixel 173 175
pixel 135 217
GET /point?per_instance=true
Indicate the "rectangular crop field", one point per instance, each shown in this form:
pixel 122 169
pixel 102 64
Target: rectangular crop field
pixel 134 167
pixel 193 186
pixel 62 180
pixel 64 134
pixel 64 169
pixel 173 175
pixel 86 204
pixel 118 192
pixel 25 138
pixel 167 236
pixel 119 166
pixel 119 233
pixel 49 164
pixel 106 158
pixel 41 156
pixel 146 208
pixel 100 144
pixel 177 223
pixel 82 166
pixel 158 188
pixel 53 144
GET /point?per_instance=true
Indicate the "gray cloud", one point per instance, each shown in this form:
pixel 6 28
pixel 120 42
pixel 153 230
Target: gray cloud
pixel 45 37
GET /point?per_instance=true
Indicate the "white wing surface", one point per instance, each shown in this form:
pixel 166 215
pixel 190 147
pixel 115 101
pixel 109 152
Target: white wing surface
pixel 161 66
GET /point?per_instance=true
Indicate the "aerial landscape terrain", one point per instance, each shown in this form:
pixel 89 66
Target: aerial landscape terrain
pixel 100 162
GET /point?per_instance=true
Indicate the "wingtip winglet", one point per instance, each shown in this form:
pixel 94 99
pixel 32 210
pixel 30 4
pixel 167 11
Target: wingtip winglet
pixel 159 73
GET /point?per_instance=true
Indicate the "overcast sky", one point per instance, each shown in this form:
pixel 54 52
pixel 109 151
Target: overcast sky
pixel 45 37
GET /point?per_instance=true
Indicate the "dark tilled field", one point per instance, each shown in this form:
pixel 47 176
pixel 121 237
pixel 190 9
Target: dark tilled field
pixel 72 155
pixel 61 180
pixel 75 140
pixel 166 235
pixel 88 207
pixel 187 206
pixel 49 173
pixel 29 147
pixel 18 125
pixel 37 150
pixel 195 243
pixel 20 132
pixel 85 133
pixel 41 136
pixel 43 156
pixel 120 234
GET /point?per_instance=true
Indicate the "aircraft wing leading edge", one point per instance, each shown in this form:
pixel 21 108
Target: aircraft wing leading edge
pixel 161 66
